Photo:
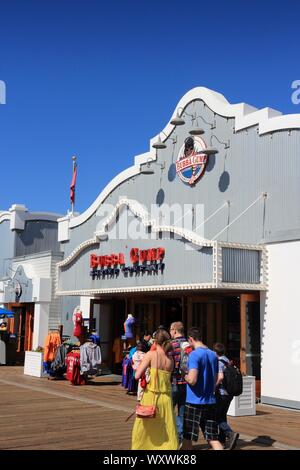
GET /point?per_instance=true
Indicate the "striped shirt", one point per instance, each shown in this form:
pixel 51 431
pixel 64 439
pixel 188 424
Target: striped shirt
pixel 176 354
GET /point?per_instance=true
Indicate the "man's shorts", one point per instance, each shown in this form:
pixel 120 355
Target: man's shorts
pixel 203 416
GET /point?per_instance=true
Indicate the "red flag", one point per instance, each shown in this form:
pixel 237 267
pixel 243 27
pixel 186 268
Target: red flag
pixel 73 184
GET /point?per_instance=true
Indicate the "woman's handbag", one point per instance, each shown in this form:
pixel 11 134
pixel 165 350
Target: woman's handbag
pixel 146 411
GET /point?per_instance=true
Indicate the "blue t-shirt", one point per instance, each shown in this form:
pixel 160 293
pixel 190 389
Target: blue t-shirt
pixel 206 361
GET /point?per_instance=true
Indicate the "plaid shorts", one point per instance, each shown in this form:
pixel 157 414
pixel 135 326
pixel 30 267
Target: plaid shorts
pixel 203 416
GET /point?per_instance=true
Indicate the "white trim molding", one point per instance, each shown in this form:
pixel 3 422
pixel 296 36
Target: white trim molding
pixel 141 212
pixel 4 215
pixel 164 288
pixel 267 119
pixel 75 253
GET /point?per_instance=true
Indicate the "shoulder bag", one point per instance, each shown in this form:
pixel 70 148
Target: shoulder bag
pixel 146 411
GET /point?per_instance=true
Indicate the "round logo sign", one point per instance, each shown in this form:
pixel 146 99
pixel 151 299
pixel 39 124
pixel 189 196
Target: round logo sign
pixel 191 163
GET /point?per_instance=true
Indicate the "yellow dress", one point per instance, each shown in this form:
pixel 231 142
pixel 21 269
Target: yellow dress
pixel 159 433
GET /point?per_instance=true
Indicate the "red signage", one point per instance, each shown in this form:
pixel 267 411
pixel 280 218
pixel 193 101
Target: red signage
pixel 153 254
pixel 136 256
pixel 106 260
pixel 189 162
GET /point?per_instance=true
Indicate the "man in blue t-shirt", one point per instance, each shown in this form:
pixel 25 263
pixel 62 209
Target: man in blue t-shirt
pixel 200 408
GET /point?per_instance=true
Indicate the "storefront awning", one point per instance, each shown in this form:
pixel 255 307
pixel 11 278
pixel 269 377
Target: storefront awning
pixel 6 313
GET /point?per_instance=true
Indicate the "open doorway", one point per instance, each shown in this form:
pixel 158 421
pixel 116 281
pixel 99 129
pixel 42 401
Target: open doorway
pixel 171 311
pixel 21 329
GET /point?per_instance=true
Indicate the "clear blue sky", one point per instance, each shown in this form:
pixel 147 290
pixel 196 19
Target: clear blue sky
pixel 98 79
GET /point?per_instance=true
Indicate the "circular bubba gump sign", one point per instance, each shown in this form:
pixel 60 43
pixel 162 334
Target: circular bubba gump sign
pixel 191 163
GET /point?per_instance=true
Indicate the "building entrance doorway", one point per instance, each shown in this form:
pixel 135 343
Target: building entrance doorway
pixel 21 329
pixel 233 320
pixel 219 321
pixel 228 318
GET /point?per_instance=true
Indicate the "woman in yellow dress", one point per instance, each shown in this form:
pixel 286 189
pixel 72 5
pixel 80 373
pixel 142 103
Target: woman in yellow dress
pixel 159 433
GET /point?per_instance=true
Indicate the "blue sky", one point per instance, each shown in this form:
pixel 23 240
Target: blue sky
pixel 98 79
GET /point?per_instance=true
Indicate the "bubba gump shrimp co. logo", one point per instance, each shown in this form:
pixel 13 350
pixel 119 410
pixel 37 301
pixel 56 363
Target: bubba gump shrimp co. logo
pixel 191 163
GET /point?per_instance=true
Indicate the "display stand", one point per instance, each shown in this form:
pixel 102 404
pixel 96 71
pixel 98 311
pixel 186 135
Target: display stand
pixel 245 404
pixel 33 363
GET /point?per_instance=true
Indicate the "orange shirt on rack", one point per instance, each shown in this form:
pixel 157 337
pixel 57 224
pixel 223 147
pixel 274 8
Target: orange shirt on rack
pixel 51 344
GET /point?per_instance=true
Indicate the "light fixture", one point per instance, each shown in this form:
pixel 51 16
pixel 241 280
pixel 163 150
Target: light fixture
pixel 209 151
pixel 211 124
pixel 147 170
pixel 177 121
pixel 196 131
pixel 226 144
pixel 159 144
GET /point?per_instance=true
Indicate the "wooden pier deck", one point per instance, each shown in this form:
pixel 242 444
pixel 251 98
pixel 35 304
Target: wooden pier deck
pixel 54 415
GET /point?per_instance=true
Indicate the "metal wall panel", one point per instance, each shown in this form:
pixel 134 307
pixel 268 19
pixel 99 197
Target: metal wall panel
pixel 6 248
pixel 55 311
pixel 37 236
pixel 252 165
pixel 179 263
pixel 241 266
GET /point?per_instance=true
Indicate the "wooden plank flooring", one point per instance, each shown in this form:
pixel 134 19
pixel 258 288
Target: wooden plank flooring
pixel 44 414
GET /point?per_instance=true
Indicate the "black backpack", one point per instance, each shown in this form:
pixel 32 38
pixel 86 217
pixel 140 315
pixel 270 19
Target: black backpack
pixel 233 379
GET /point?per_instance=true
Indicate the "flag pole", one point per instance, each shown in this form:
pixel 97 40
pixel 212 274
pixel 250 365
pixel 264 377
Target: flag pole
pixel 74 163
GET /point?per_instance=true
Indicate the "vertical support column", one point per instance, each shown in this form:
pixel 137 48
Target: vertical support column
pixel 29 325
pixel 243 300
pixel 85 306
pixel 41 324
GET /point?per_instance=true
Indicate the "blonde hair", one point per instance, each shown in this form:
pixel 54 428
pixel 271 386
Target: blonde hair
pixel 163 339
pixel 178 326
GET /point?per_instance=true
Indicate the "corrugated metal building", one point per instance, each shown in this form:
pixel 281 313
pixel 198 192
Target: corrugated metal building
pixel 29 253
pixel 215 202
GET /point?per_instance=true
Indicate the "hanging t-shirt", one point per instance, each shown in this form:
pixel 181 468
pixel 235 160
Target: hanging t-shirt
pixel 52 342
pixel 73 368
pixel 128 327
